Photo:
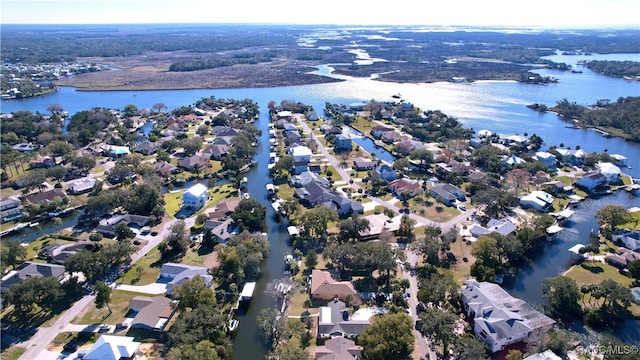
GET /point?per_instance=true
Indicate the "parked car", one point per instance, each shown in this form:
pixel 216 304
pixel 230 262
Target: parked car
pixel 70 347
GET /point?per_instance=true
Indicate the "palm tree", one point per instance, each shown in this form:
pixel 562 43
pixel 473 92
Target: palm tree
pixel 584 289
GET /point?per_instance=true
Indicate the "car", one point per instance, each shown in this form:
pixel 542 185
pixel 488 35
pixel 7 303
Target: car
pixel 70 347
pixel 104 327
pixel 462 208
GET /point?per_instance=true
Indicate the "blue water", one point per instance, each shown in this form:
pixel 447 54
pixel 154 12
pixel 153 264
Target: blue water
pixel 499 106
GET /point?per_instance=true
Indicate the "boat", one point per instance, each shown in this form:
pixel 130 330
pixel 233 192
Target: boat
pixel 34 224
pixel 396 96
pixel 246 195
pixel 233 325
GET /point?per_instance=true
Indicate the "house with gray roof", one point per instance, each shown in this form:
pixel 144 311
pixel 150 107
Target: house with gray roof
pixel 10 208
pixel 338 349
pixel 179 273
pixel 499 318
pixel 107 226
pixel 335 321
pixel 151 313
pixel 28 270
pixel 447 193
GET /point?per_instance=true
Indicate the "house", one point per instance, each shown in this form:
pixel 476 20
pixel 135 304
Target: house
pixel 610 171
pixel 513 160
pixel 402 186
pixel 328 129
pixel 324 287
pixel 545 355
pixel 379 223
pixel 338 348
pixel 500 319
pixel 299 167
pixel 514 140
pixel 378 130
pixel 629 239
pixel 547 159
pixel 179 273
pixel 116 151
pixel 224 131
pixel 307 177
pixel 556 188
pixel 165 168
pixel 448 194
pixel 45 196
pixel 334 321
pixel 503 228
pixel 224 209
pixel 216 151
pixel 391 137
pixel 362 164
pixel 573 157
pixel 146 148
pixel 195 197
pixel 300 153
pixel 42 162
pixel 292 136
pixel 539 200
pixel 315 194
pixel 622 257
pixel 194 162
pixel 107 226
pixel 407 146
pixel 81 186
pixel 58 253
pixel 10 208
pixel 109 347
pixel 592 181
pixel 620 160
pixel 223 229
pixel 29 270
pixel 343 142
pixel 151 313
pixel 25 147
pixel 386 172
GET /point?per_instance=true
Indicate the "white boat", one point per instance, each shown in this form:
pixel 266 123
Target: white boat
pixel 233 324
pixel 246 195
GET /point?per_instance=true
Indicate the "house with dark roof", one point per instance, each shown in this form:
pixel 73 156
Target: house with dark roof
pixel 334 321
pixel 179 273
pixel 107 226
pixel 338 349
pixel 45 196
pixel 191 162
pixel 307 177
pixel 499 318
pixel 315 194
pixel 224 131
pixel 222 229
pixel 391 137
pixel 151 313
pixel 28 270
pixel 216 151
pixel 386 172
pixel 378 130
pixel 362 164
pixel 165 168
pixel 146 148
pixel 447 193
pixel 224 209
pixel 325 287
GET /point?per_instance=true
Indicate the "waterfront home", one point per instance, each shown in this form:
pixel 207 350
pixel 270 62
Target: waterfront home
pixel 513 160
pixel 224 131
pixel 499 318
pixel 301 153
pixel 448 194
pixel 503 228
pixel 610 171
pixel 113 347
pixel 81 186
pixel 538 200
pixel 224 209
pixel 325 287
pixel 620 160
pixel 315 194
pixel 146 148
pixel 629 239
pixel 400 187
pixel 547 159
pixel 622 257
pixel 28 270
pixel 179 273
pixel 592 181
pixel 223 229
pixel 45 196
pixel 391 137
pixel 572 157
pixel 514 140
pixel 216 151
pixel 343 142
pixel 191 163
pixel 338 348
pixel 58 253
pixel 107 226
pixel 307 177
pixel 378 130
pixel 407 146
pixel 386 172
pixel 10 208
pixel 362 164
pixel 165 169
pixel 151 313
pixel 334 321
pixel 299 167
pixel 195 197
pixel 329 129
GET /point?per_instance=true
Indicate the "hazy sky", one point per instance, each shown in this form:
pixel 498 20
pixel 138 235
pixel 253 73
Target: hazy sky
pixel 546 13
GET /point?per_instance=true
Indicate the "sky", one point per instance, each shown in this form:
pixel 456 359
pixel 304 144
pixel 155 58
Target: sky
pixel 536 13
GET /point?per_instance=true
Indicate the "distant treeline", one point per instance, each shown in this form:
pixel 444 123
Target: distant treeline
pixel 623 115
pixel 615 68
pixel 202 64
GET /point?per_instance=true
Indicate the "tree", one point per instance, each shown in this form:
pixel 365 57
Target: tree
pixel 143 199
pixel 250 216
pixel 518 179
pixel 439 324
pixel 469 348
pixel 203 350
pixel 201 323
pixel 11 252
pixel 83 163
pixel 271 326
pixel 95 236
pixel 177 239
pixel 514 354
pixel 423 155
pixel 123 232
pixel 350 228
pixel 103 295
pixel 562 295
pixel 208 239
pixel 57 172
pixel 634 270
pixel 311 259
pixel 610 216
pixel 157 107
pixel 405 232
pixel 389 337
pixel 43 292
pixel 93 265
pixel 289 351
pixel 193 293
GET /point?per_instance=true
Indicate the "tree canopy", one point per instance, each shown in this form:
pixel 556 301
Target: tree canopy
pixel 389 337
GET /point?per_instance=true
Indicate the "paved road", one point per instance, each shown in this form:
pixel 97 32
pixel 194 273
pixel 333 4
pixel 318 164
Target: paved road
pixel 35 346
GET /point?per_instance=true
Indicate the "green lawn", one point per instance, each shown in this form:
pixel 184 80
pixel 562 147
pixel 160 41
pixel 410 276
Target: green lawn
pixel 634 224
pixel 363 125
pixel 595 272
pixel 119 305
pixel 150 264
pixel 173 201
pixel 80 338
pixel 12 353
pixel 626 179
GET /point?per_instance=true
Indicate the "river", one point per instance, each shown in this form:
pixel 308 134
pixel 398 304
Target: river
pixel 499 106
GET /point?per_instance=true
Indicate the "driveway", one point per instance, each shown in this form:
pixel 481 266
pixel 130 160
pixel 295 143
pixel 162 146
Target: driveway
pixel 151 289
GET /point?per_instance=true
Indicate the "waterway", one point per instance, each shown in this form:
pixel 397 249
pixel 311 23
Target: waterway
pixel 499 106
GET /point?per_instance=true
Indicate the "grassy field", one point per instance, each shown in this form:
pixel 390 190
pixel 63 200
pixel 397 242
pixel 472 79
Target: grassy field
pixel 119 305
pixel 173 201
pixel 12 353
pixel 432 209
pixel 150 263
pixel 363 125
pixel 82 339
pixel 634 224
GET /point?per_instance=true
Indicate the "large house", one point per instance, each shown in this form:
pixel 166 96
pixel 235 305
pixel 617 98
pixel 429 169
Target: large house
pixel 592 181
pixel 195 197
pixel 338 348
pixel 547 159
pixel 179 273
pixel 45 196
pixel 539 200
pixel 610 171
pixel 300 153
pixel 343 142
pixel 151 313
pixel 107 226
pixel 194 162
pixel 503 228
pixel 448 194
pixel 29 270
pixel 110 347
pixel 81 186
pixel 399 187
pixel 10 208
pixel 325 287
pixel 334 321
pixel 500 319
pixel 315 194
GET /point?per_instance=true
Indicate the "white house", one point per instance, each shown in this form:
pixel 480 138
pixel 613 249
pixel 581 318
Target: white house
pixel 620 160
pixel 113 347
pixel 500 319
pixel 195 197
pixel 609 170
pixel 548 159
pixel 81 185
pixel 513 160
pixel 539 200
pixel 301 153
pixel 592 180
pixel 179 273
pixel 503 228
